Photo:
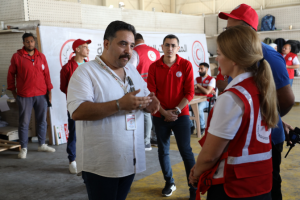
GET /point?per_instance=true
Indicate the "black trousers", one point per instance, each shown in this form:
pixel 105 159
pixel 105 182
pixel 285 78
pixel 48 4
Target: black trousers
pixel 217 192
pixel 276 157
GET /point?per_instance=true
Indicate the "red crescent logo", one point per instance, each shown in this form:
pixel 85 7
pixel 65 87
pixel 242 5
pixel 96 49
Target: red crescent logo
pixel 198 53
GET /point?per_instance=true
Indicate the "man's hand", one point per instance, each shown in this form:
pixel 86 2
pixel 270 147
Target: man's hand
pixel 287 129
pixel 14 93
pixel 50 96
pixel 192 179
pixel 153 107
pixel 130 102
pixel 170 115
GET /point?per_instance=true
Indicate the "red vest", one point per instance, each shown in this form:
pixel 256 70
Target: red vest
pixel 204 84
pixel 248 160
pixel 147 56
pixel 289 61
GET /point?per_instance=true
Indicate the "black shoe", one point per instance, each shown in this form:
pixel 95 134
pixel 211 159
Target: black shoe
pixel 192 130
pixel 169 189
pixel 202 131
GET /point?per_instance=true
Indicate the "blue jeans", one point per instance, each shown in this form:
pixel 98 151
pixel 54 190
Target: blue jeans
pixel 39 103
pixel 71 144
pixel 182 132
pixel 99 187
pixel 147 127
pixel 291 82
pixel 201 107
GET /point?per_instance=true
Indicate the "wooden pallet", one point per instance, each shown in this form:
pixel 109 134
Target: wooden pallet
pixel 5 145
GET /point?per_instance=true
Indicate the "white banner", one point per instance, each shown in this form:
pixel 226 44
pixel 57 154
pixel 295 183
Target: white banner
pixel 57 43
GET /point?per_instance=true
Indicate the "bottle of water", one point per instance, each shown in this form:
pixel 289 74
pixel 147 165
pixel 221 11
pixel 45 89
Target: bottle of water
pixel 3 91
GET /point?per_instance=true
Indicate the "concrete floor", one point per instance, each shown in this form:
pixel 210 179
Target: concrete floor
pixel 45 176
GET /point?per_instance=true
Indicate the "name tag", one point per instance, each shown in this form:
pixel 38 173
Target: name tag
pixel 130 121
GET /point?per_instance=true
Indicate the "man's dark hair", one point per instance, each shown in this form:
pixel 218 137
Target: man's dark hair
pixel 171 36
pixel 115 26
pixel 204 64
pixel 26 35
pixel 138 36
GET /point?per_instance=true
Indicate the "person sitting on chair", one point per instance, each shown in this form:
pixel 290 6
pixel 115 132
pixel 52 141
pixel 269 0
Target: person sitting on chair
pixel 205 85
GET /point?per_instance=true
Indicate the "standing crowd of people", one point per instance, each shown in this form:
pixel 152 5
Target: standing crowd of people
pixel 116 100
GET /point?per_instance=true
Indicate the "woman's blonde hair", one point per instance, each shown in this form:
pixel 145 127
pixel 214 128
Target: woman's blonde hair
pixel 242 45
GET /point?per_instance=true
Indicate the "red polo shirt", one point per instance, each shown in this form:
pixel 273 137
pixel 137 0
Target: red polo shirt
pixel 171 84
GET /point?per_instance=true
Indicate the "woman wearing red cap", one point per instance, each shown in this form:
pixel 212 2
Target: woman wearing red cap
pixel 236 157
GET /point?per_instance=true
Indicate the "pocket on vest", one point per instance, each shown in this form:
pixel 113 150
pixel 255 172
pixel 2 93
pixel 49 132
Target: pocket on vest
pixel 254 169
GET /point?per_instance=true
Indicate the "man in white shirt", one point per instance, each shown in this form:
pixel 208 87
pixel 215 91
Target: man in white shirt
pixel 204 86
pixel 106 99
pixel 142 57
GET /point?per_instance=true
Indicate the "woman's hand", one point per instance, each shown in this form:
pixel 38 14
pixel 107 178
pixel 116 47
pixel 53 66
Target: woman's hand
pixel 192 179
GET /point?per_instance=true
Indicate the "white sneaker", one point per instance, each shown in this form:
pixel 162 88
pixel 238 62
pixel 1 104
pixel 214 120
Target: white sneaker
pixel 45 148
pixel 73 167
pixel 23 153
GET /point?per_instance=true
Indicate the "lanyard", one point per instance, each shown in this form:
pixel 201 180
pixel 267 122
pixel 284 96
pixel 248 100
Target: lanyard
pixel 110 72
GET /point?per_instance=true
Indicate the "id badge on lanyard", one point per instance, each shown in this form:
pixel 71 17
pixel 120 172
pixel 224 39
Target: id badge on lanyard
pixel 130 118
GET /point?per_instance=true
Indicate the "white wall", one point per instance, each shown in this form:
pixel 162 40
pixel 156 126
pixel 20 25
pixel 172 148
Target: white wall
pixel 68 14
pixel 193 7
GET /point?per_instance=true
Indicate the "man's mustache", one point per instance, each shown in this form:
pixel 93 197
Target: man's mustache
pixel 125 56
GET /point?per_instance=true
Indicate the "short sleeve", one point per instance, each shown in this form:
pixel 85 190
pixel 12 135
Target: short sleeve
pixel 296 61
pixel 80 89
pixel 212 83
pixel 231 106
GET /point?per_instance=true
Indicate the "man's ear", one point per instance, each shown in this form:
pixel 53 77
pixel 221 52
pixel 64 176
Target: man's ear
pixel 106 44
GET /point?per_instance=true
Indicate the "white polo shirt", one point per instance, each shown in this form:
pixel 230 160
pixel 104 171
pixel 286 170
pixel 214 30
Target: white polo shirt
pixel 104 147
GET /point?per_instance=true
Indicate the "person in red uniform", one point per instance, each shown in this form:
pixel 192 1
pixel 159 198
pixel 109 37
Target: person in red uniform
pixel 244 15
pixel 30 70
pixel 171 79
pixel 142 57
pixel 236 157
pixel 205 85
pixel 81 50
pixel 291 60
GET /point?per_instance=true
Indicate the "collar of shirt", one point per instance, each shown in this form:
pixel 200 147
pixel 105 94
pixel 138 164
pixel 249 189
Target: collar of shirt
pixel 98 59
pixel 239 79
pixel 140 44
pixel 161 61
pixel 24 52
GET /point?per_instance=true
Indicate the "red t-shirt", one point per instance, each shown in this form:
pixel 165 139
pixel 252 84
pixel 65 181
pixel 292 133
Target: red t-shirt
pixel 171 84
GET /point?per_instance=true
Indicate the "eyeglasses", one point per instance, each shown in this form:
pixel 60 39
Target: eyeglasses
pixel 170 45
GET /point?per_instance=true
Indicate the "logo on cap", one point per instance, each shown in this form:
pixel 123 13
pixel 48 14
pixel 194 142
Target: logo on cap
pixel 152 56
pixel 178 74
pixel 198 53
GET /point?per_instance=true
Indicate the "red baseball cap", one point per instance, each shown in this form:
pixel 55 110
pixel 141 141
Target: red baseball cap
pixel 79 42
pixel 242 12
